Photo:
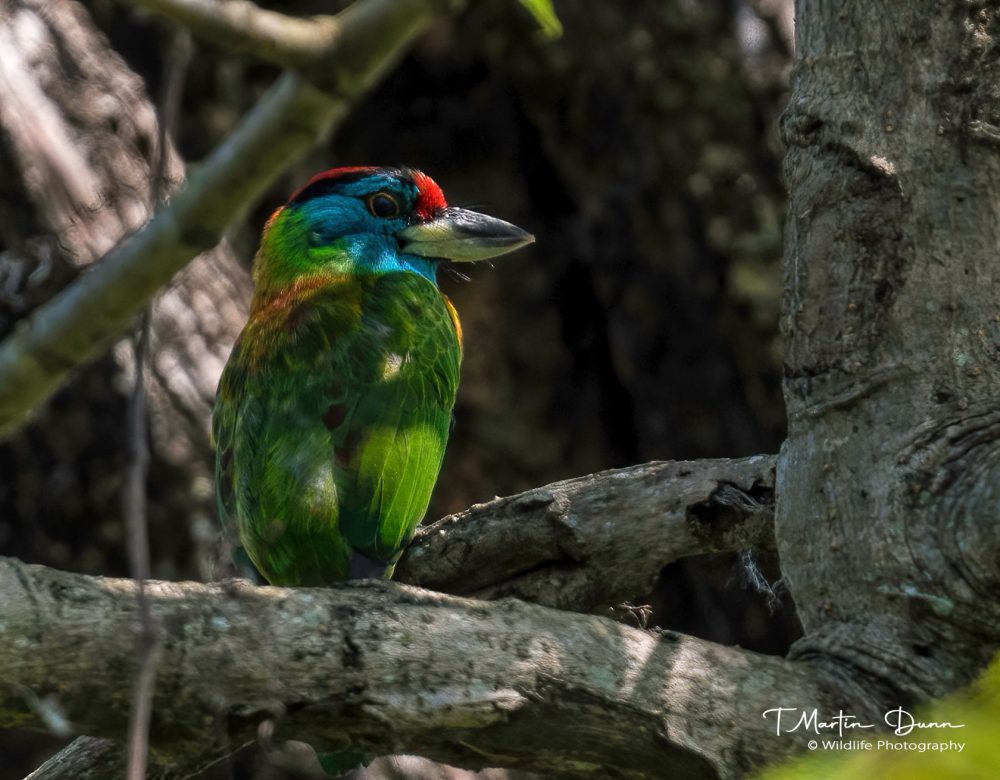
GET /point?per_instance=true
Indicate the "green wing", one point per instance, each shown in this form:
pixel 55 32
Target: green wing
pixel 227 402
pixel 225 416
pixel 331 423
pixel 390 425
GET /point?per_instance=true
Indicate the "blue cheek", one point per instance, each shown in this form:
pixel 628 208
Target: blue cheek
pixel 369 242
pixel 332 217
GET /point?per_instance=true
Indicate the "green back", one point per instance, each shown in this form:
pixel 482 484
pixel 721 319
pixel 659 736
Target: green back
pixel 331 422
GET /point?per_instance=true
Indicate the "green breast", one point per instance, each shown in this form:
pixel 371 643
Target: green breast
pixel 331 423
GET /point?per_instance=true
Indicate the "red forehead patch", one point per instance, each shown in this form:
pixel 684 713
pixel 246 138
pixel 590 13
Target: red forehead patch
pixel 430 199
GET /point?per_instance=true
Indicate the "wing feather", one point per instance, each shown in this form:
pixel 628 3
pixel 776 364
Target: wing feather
pixel 390 448
pixel 331 424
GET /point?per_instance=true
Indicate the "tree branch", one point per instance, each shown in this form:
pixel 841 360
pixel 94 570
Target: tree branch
pixel 307 45
pixel 520 545
pixel 85 758
pixel 72 327
pixel 246 28
pixel 599 539
pixel 388 668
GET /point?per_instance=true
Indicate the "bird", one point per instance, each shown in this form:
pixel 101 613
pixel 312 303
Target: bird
pixel 335 406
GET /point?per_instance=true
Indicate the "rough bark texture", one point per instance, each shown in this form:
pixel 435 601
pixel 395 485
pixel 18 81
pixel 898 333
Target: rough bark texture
pixel 88 758
pixel 889 480
pixel 376 664
pixel 596 540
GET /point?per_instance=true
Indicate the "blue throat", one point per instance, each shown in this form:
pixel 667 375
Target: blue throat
pixel 379 254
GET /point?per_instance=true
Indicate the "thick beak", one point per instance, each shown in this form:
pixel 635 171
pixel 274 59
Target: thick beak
pixel 463 236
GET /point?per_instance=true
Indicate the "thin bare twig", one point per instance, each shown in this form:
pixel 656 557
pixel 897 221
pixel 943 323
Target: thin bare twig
pixel 135 513
pixel 147 647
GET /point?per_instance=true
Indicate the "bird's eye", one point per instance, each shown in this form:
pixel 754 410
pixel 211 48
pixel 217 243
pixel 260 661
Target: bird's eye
pixel 383 205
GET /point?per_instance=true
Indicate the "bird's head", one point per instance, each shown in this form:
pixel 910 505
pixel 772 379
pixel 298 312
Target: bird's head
pixel 376 220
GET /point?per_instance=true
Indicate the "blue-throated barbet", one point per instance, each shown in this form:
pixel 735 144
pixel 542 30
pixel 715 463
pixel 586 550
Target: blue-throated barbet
pixel 334 409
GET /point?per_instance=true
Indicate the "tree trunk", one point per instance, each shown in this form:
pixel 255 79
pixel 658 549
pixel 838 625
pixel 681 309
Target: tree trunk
pixel 889 482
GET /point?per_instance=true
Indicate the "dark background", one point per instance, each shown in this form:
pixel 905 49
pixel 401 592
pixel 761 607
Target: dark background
pixel 642 150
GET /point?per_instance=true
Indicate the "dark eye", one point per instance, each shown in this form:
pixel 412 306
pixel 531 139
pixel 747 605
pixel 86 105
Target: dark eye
pixel 382 204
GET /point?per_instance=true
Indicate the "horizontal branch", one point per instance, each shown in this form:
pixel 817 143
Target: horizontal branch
pixel 309 45
pixel 391 668
pixel 84 318
pixel 517 546
pixel 600 539
pixel 244 27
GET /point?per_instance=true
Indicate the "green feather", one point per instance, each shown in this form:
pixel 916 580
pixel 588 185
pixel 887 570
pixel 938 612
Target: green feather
pixel 331 422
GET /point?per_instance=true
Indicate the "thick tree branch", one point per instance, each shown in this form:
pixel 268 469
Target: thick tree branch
pixel 391 668
pixel 87 315
pixel 599 539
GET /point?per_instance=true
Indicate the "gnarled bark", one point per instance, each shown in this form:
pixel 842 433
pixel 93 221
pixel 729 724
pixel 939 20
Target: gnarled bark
pixel 600 539
pixel 888 482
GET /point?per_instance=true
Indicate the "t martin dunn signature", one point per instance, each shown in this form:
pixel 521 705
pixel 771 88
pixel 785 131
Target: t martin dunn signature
pixel 791 719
